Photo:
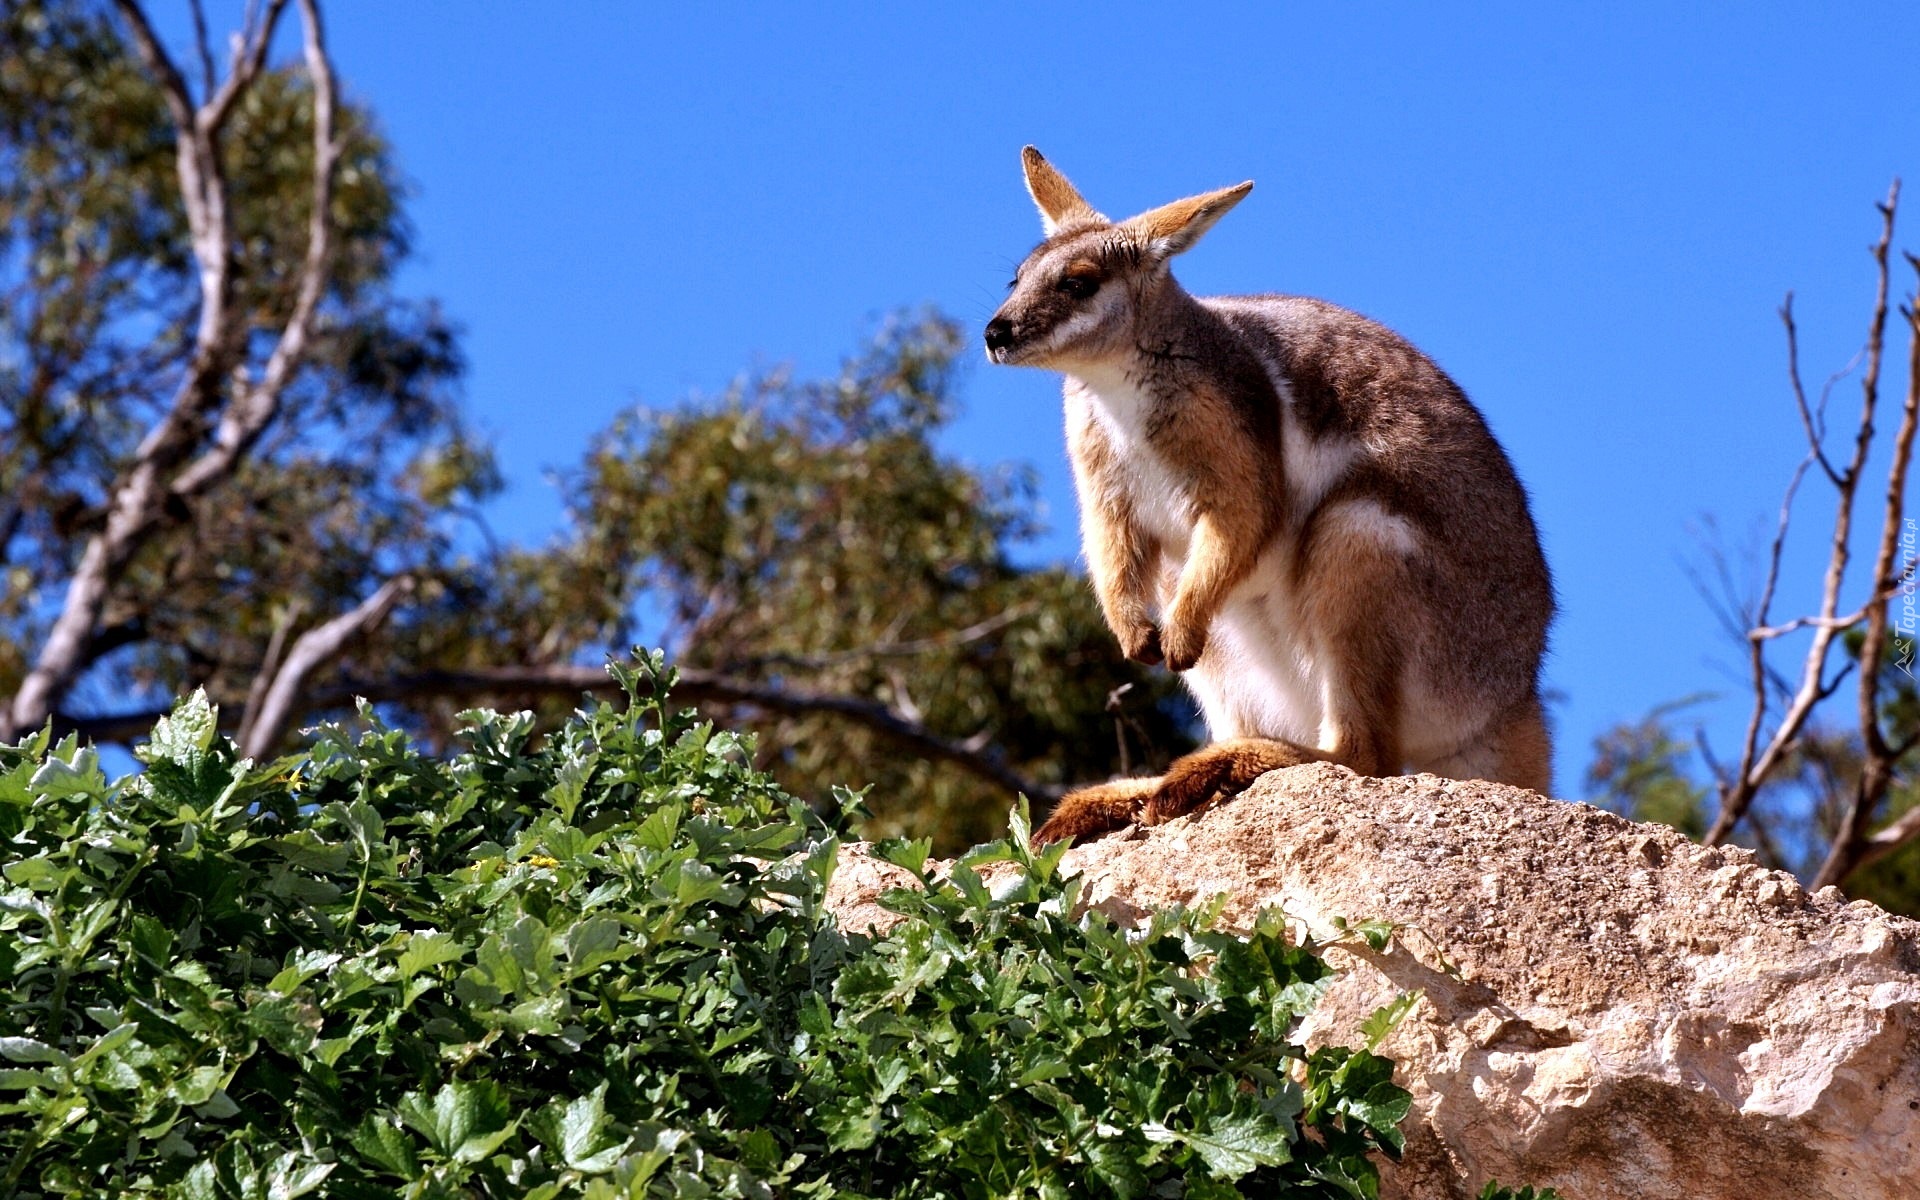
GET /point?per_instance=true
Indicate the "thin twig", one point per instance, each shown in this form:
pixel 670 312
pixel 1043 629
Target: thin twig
pixel 1815 429
pixel 890 649
pixel 1878 758
pixel 207 81
pixel 1758 765
pixel 269 668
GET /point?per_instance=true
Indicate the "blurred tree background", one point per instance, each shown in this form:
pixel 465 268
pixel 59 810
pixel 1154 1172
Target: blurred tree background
pixel 232 456
pixel 1659 769
pixel 822 572
pixel 1825 780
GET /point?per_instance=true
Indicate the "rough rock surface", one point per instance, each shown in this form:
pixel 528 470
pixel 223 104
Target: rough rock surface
pixel 1607 1008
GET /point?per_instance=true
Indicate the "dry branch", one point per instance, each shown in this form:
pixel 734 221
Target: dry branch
pixel 1758 760
pixel 1861 799
pixel 1851 844
pixel 695 687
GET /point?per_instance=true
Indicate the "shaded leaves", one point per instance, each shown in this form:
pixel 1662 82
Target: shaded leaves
pixel 597 964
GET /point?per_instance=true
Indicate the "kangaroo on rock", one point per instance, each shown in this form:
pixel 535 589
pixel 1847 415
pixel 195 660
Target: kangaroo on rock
pixel 1290 505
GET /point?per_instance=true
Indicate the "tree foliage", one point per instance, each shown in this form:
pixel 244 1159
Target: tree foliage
pixel 829 576
pixel 99 300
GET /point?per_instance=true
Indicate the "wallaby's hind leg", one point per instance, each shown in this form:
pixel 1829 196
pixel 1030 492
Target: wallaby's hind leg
pixel 1355 552
pixel 1100 808
pixel 1516 749
pixel 1221 769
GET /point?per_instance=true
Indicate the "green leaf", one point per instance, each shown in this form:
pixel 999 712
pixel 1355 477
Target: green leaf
pixel 302 966
pixel 76 775
pixel 386 1146
pixel 184 737
pixel 592 942
pixel 912 855
pixel 1232 1144
pixel 1387 1018
pixel 580 1132
pixel 464 1121
pixel 201 1182
pixel 288 1178
pixel 30 1050
pixel 427 949
pixel 150 939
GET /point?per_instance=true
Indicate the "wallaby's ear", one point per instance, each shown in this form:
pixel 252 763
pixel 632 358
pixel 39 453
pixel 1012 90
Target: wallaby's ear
pixel 1059 202
pixel 1174 227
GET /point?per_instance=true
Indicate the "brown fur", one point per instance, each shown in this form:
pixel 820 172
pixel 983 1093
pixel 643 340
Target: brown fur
pixel 1215 772
pixel 1306 469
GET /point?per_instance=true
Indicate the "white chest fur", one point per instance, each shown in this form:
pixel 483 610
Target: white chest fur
pixel 1260 675
pixel 1151 489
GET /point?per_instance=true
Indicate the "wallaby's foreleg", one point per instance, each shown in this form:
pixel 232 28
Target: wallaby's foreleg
pixel 1101 808
pixel 1223 551
pixel 1222 769
pixel 1119 556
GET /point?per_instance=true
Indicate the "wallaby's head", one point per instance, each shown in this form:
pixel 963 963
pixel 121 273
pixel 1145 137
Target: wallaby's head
pixel 1080 296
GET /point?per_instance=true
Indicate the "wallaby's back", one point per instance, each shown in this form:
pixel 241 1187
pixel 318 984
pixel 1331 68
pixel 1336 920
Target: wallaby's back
pixel 1424 450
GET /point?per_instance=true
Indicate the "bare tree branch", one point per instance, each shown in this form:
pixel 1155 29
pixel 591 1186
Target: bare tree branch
pixel 312 650
pixel 978 631
pixel 1816 429
pixel 284 620
pixel 172 84
pixel 1758 762
pixel 1885 841
pixel 249 55
pixel 1880 757
pixel 201 47
pixel 254 408
pixel 139 496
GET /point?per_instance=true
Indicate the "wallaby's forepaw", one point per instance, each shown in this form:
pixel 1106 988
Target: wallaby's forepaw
pixel 1089 812
pixel 1141 643
pixel 1183 644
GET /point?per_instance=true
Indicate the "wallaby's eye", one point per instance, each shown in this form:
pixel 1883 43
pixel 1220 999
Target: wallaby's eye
pixel 1013 283
pixel 1079 286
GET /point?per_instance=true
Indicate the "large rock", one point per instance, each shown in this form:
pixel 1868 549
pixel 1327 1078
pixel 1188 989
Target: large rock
pixel 1606 1008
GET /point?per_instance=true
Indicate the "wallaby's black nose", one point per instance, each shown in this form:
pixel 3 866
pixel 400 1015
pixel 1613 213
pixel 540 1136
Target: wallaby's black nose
pixel 999 333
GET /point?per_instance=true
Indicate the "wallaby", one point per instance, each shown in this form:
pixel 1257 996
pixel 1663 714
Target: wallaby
pixel 1290 505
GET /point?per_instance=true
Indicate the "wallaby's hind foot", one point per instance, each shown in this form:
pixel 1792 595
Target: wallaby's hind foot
pixel 1516 750
pixel 1222 769
pixel 1100 808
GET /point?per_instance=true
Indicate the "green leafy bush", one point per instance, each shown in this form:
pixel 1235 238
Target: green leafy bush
pixel 599 965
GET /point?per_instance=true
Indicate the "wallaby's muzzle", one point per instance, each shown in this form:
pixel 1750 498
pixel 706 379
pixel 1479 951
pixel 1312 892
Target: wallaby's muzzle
pixel 1008 344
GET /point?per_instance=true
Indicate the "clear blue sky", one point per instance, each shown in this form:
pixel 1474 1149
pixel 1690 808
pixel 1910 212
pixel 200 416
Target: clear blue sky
pixel 1588 215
